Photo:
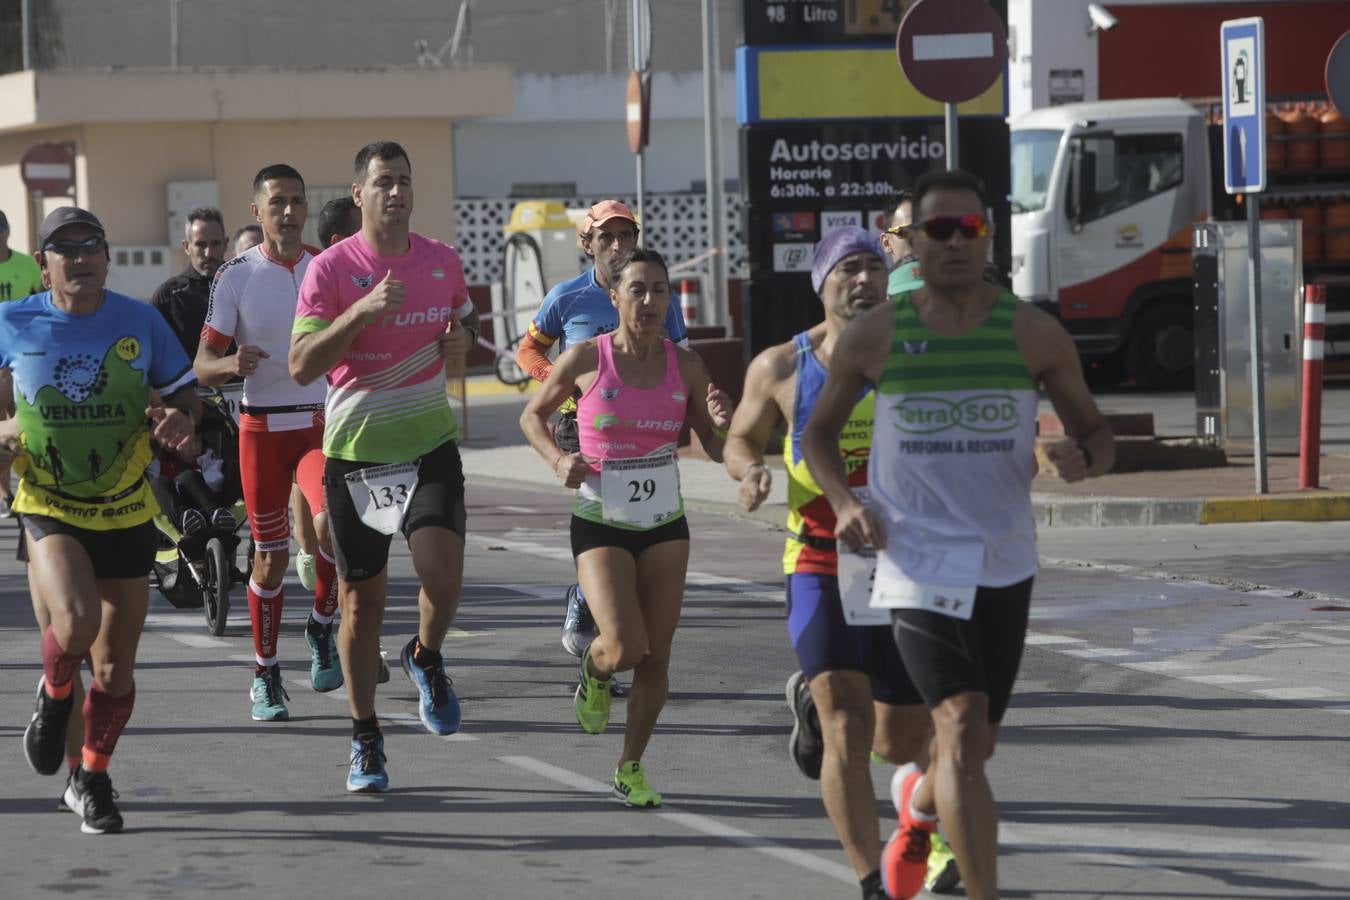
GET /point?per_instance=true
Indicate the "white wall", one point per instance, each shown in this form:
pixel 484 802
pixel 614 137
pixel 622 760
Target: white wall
pixel 570 128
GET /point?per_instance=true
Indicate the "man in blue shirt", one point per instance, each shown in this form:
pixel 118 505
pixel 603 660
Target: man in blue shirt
pixel 574 311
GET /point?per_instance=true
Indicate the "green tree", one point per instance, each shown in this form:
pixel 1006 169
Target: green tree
pixel 45 29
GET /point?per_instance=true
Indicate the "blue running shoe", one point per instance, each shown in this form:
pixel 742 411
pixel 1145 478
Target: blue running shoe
pixel 439 707
pixel 579 627
pixel 367 774
pixel 325 670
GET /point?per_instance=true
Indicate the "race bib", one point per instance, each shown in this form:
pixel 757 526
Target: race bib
pixel 940 578
pixel 382 494
pixel 642 492
pixel 232 395
pixel 857 573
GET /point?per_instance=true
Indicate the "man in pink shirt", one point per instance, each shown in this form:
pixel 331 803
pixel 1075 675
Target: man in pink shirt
pixel 385 314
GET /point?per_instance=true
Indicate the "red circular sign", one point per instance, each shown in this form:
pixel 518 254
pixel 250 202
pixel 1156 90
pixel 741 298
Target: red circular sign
pixel 1338 75
pixel 952 50
pixel 48 169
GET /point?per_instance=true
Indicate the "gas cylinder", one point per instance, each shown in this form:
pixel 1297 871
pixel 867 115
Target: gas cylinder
pixel 1335 150
pixel 1277 150
pixel 1303 131
pixel 1336 215
pixel 1309 212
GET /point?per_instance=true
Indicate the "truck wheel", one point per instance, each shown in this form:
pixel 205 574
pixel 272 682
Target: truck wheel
pixel 1162 348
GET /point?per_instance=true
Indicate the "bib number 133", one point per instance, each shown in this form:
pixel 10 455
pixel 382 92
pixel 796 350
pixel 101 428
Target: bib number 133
pixel 381 495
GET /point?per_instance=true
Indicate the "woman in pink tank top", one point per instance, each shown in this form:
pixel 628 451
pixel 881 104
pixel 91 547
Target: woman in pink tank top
pixel 629 535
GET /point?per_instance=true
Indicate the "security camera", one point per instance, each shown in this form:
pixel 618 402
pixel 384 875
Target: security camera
pixel 1101 19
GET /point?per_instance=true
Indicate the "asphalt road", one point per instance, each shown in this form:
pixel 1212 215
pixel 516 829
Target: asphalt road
pixel 1178 731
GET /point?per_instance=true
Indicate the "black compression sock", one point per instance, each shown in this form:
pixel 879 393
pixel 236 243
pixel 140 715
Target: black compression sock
pixel 425 656
pixel 365 726
pixel 871 886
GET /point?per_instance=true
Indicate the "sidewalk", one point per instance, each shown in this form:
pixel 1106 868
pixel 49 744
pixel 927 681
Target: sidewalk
pixel 495 450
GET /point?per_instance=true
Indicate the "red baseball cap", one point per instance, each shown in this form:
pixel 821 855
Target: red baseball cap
pixel 602 212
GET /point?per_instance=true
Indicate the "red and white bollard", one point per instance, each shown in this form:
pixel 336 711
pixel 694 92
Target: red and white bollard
pixel 1310 428
pixel 689 299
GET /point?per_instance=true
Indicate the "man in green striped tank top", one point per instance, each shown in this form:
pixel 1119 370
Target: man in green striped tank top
pixel 956 364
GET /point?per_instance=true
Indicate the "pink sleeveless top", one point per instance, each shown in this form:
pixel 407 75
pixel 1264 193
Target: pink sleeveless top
pixel 617 421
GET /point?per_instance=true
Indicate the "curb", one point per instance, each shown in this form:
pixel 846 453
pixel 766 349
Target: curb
pixel 1135 512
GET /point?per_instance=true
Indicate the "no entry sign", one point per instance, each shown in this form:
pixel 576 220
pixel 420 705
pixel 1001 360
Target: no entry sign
pixel 952 50
pixel 48 169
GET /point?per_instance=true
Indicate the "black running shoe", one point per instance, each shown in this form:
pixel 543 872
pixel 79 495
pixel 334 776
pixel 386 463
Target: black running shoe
pixel 44 740
pixel 807 744
pixel 90 795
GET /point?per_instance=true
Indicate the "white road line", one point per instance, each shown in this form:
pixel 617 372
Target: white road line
pixel 1298 693
pixel 693 822
pixel 197 640
pixel 519 509
pixel 1036 639
pixel 1159 665
pixel 1224 679
pixel 1100 652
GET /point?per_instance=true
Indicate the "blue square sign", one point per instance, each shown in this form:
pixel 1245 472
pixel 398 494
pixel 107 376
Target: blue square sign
pixel 1243 52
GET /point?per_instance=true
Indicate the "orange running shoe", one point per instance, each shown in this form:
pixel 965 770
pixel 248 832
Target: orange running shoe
pixel 904 859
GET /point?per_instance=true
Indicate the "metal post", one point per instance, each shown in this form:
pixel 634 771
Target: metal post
pixel 641 187
pixel 712 166
pixel 1258 376
pixel 26 26
pixel 173 33
pixel 953 140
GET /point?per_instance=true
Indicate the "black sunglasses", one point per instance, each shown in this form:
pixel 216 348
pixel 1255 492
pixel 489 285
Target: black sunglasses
pixel 941 228
pixel 87 247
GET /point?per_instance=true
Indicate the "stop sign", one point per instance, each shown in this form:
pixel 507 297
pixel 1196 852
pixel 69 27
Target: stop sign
pixel 952 50
pixel 48 169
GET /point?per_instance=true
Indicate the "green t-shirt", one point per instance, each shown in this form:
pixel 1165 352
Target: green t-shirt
pixel 19 277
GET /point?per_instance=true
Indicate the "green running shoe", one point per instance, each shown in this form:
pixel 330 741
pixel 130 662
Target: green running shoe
pixel 306 570
pixel 630 786
pixel 269 696
pixel 592 699
pixel 943 874
pixel 325 670
pixel 879 759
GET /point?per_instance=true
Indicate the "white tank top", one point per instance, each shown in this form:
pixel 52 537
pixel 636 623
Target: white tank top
pixel 953 452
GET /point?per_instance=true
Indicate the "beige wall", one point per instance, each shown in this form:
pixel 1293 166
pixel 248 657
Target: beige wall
pixel 130 166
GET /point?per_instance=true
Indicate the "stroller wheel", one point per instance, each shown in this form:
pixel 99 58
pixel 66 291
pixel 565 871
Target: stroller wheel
pixel 216 586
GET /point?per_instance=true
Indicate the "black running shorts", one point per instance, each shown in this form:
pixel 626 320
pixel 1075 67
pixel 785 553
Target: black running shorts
pixel 946 656
pixel 120 553
pixel 587 535
pixel 438 502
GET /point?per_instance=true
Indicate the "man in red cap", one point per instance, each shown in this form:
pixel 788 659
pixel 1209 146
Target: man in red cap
pixel 576 311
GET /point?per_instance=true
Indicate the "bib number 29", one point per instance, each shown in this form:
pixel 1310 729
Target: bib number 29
pixel 642 490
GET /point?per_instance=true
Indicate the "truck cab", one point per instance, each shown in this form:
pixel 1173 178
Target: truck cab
pixel 1103 199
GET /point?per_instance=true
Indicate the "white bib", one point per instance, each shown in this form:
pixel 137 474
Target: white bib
pixel 233 396
pixel 857 573
pixel 642 491
pixel 940 578
pixel 382 494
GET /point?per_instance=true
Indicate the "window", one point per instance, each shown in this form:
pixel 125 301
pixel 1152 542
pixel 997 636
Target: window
pixel 1033 159
pixel 1121 170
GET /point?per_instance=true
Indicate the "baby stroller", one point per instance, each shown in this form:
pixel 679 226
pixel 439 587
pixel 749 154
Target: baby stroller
pixel 194 567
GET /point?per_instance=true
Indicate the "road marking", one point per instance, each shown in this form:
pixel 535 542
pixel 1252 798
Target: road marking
pixel 1224 679
pixel 1100 652
pixel 197 640
pixel 526 510
pixel 1159 665
pixel 692 821
pixel 1035 639
pixel 1298 693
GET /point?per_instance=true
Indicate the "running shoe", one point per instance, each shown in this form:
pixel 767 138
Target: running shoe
pixel 630 786
pixel 904 859
pixel 943 874
pixel 367 774
pixel 268 695
pixel 44 740
pixel 6 506
pixel 305 569
pixel 325 670
pixel 592 699
pixel 579 627
pixel 438 706
pixel 90 796
pixel 806 745
pixel 223 521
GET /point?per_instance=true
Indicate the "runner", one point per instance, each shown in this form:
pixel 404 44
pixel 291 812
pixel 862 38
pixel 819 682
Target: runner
pixel 629 534
pixel 280 430
pixel 246 238
pixel 852 672
pixel 576 311
pixel 80 353
pixel 956 365
pixel 895 240
pixel 386 314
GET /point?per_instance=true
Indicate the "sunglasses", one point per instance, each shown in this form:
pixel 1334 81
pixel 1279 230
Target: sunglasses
pixel 900 231
pixel 941 228
pixel 87 247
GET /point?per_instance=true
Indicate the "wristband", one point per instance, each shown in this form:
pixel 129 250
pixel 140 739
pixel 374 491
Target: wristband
pixel 719 433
